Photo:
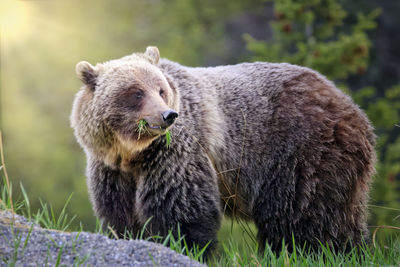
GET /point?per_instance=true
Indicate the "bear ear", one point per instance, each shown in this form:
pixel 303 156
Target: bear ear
pixel 153 54
pixel 87 74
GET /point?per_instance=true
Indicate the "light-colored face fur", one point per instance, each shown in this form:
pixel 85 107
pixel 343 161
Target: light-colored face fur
pixel 116 95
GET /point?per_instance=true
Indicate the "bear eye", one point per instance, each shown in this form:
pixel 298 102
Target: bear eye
pixel 161 92
pixel 138 94
pixel 134 98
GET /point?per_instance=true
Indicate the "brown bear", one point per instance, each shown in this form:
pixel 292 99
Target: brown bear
pixel 277 144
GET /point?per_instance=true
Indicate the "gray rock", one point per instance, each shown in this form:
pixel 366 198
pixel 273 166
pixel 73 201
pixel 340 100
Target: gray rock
pixel 51 247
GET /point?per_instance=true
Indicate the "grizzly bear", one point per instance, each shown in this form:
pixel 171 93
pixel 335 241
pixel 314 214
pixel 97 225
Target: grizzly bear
pixel 276 144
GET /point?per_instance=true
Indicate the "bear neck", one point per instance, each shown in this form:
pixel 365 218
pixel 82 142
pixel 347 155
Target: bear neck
pixel 122 154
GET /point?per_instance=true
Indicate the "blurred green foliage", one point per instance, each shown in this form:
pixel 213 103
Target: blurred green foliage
pixel 312 34
pixel 38 81
pixel 384 113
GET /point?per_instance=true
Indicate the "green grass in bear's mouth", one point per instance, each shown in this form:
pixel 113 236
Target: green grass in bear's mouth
pixel 141 127
pixel 168 138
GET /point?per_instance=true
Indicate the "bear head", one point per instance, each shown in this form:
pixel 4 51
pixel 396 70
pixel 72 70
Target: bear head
pixel 123 106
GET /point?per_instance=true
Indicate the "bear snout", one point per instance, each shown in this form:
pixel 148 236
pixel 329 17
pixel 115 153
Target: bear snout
pixel 169 116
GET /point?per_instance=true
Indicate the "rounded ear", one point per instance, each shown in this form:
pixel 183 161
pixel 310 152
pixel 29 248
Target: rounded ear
pixel 87 74
pixel 153 54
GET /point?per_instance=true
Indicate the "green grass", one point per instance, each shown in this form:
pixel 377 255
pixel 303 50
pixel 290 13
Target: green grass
pixel 141 127
pixel 234 253
pixel 168 137
pixel 366 257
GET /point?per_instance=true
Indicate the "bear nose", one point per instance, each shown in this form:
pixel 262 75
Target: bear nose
pixel 169 116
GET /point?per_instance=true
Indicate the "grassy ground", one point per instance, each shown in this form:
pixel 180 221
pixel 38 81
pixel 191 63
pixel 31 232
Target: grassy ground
pixel 237 246
pixel 236 250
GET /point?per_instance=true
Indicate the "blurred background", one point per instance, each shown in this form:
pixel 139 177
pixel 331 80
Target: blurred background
pixel 353 42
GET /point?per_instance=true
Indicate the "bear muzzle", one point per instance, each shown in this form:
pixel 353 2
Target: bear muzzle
pixel 166 119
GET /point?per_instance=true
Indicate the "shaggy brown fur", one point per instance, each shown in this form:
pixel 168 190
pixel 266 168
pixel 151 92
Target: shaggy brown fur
pixel 274 143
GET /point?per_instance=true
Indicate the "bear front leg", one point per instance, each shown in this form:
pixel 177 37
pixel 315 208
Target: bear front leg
pixel 112 193
pixel 181 189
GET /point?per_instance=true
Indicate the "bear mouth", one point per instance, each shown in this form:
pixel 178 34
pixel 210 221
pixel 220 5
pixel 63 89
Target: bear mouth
pixel 150 129
pixel 154 129
pixel 160 127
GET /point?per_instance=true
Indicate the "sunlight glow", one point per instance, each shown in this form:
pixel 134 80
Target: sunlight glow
pixel 13 18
